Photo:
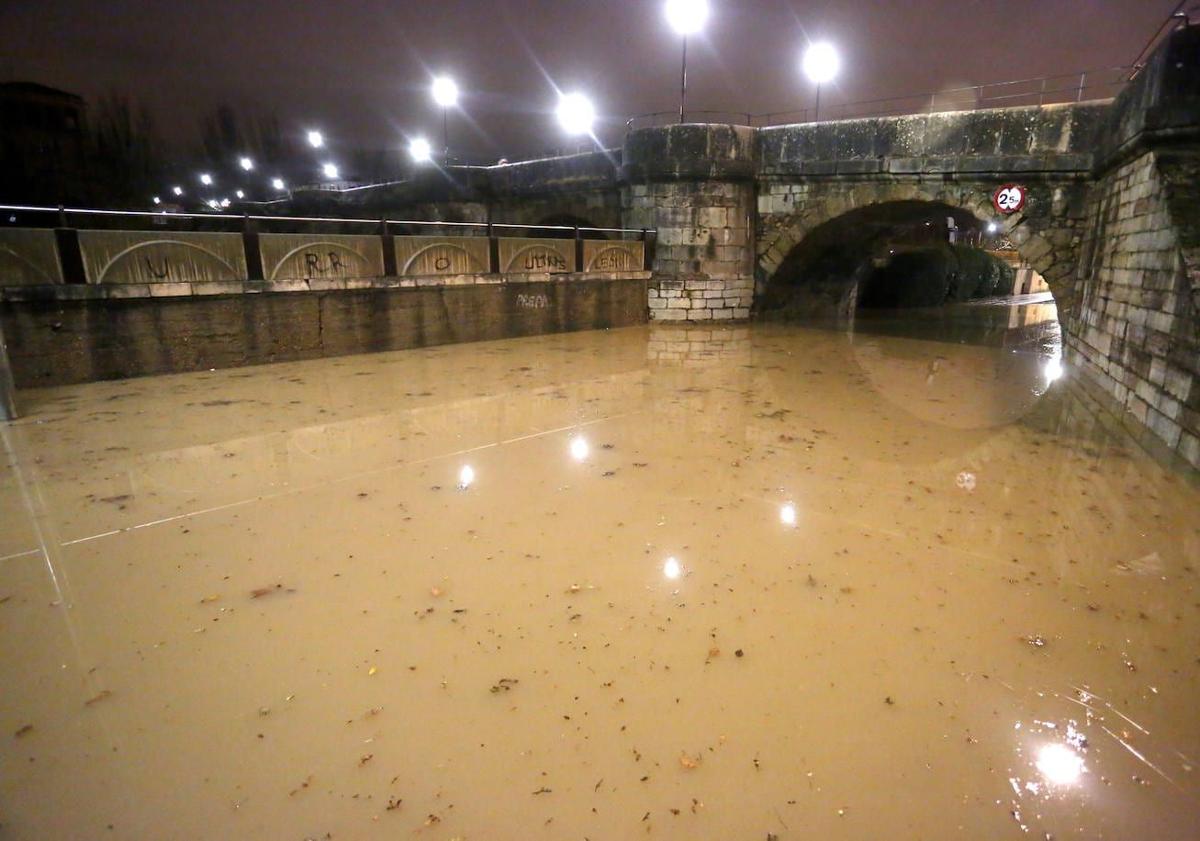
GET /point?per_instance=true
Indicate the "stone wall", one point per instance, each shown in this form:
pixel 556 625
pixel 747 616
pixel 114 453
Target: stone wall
pixel 1135 330
pixel 69 334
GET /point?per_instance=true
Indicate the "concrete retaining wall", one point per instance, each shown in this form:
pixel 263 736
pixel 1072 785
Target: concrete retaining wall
pixel 60 335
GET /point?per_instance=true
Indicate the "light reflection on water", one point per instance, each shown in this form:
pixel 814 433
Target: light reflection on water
pixel 707 583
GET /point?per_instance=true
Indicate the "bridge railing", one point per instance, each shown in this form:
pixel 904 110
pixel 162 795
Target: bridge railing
pixel 40 246
pixel 1102 83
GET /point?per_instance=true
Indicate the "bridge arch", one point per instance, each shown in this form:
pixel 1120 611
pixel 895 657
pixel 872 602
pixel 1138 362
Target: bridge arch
pixel 1043 233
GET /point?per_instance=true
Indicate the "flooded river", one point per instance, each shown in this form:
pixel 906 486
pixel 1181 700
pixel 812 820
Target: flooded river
pixel 756 582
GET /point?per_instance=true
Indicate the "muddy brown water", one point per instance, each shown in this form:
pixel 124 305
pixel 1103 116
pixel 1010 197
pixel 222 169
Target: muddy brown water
pixel 736 583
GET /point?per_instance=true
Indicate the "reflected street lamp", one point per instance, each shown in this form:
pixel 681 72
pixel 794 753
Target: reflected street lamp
pixel 445 94
pixel 687 17
pixel 821 65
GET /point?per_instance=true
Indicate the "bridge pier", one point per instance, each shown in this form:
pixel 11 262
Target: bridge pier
pixel 695 184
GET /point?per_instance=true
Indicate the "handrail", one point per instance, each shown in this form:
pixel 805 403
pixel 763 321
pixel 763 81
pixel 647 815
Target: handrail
pixel 1114 78
pixel 163 214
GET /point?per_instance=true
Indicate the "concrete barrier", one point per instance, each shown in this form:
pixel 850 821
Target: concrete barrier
pixel 320 256
pixel 613 256
pixel 417 256
pixel 161 257
pixel 28 257
pixel 531 256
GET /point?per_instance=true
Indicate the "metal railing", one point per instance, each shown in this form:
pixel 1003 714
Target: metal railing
pixel 1103 83
pixel 249 226
pixel 231 220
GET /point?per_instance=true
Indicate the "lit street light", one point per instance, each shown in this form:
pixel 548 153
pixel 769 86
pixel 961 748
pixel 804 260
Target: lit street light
pixel 240 194
pixel 316 139
pixel 576 114
pixel 177 191
pixel 156 200
pixel 821 65
pixel 206 179
pixel 277 183
pixel 445 94
pixel 245 163
pixel 420 150
pixel 687 17
pixel 330 170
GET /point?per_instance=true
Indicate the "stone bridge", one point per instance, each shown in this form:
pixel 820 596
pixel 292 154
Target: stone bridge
pixel 1112 219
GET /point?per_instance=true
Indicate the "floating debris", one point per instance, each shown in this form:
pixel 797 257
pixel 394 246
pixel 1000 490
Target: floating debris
pixel 98 697
pixel 504 684
pixel 261 592
pixel 23 730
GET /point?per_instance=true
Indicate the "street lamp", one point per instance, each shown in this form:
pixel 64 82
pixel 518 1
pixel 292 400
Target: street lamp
pixel 245 163
pixel 315 139
pixel 576 114
pixel 330 170
pixel 420 150
pixel 445 94
pixel 277 183
pixel 240 194
pixel 687 17
pixel 177 191
pixel 206 179
pixel 821 65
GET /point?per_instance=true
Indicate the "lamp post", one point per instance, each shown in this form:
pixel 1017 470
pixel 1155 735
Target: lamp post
pixel 315 139
pixel 445 94
pixel 821 64
pixel 687 17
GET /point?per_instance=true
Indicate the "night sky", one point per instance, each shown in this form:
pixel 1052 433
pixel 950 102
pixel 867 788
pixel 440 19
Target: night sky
pixel 359 69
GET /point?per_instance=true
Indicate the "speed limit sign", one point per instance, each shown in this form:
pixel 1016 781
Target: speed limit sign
pixel 1009 199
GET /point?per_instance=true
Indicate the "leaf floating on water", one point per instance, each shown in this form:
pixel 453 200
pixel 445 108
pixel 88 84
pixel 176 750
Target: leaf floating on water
pixel 394 803
pixel 23 730
pixel 544 790
pixel 98 697
pixel 505 684
pixel 365 758
pixel 432 819
pixel 213 598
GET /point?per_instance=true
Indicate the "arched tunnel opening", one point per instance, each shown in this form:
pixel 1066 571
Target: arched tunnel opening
pixel 920 268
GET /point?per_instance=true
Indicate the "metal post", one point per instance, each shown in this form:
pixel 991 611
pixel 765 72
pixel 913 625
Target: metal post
pixel 390 269
pixel 445 135
pixel 1082 82
pixel 1042 94
pixel 254 266
pixel 817 110
pixel 578 249
pixel 8 399
pixel 683 81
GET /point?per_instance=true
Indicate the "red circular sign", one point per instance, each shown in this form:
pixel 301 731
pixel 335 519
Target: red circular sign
pixel 1009 199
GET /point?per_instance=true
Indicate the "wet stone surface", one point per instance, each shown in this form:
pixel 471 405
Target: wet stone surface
pixel 740 582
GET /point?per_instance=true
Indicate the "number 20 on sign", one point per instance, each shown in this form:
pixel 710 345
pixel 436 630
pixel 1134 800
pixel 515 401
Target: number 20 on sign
pixel 1009 199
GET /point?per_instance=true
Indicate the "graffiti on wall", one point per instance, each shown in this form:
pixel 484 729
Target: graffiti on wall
pixel 320 256
pixel 530 256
